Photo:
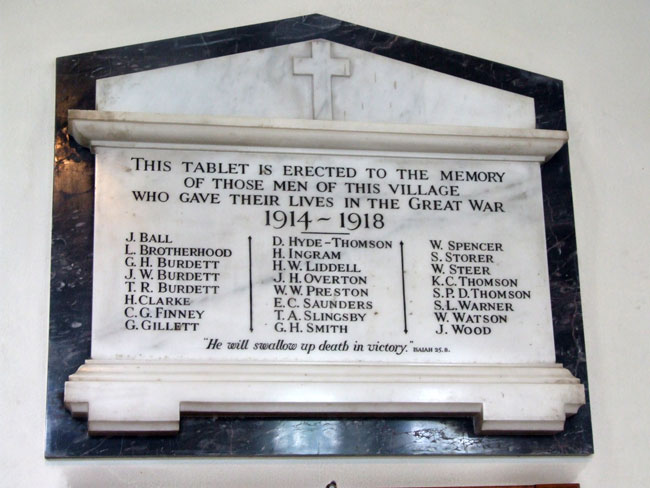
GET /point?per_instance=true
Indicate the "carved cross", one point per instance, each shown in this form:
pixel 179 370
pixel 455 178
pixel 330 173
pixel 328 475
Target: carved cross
pixel 321 67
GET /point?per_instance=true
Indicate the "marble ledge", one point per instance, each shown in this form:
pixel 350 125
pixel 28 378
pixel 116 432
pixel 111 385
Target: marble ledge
pixel 95 129
pixel 122 396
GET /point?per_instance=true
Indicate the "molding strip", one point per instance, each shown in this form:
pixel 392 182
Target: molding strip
pixel 96 129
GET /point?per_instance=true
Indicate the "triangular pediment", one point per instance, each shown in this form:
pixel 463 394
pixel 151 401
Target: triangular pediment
pixel 315 79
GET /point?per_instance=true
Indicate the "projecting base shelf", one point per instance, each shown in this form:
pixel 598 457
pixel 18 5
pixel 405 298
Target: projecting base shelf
pixel 132 397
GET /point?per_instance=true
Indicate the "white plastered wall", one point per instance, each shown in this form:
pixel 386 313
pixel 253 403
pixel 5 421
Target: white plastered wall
pixel 599 48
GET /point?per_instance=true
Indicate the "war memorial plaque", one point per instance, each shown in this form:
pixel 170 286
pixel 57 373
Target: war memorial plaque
pixel 312 250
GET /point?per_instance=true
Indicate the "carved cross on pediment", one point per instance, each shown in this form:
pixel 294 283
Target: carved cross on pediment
pixel 321 67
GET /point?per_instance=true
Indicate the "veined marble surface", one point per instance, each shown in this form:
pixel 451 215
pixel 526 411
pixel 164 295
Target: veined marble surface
pixel 285 270
pixel 262 83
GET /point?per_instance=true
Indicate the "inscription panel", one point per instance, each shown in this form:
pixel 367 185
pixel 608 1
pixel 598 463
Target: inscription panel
pixel 309 257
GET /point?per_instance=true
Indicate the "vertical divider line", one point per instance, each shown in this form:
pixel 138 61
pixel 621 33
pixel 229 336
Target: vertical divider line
pixel 250 281
pixel 401 250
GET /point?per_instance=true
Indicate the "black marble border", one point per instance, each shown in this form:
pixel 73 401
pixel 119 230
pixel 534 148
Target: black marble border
pixel 72 250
